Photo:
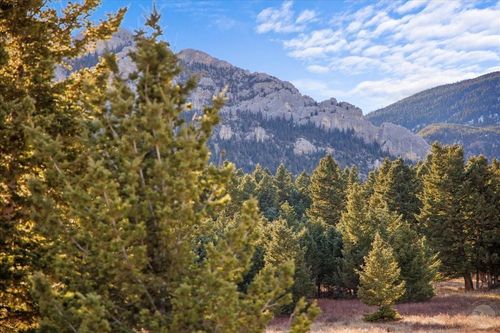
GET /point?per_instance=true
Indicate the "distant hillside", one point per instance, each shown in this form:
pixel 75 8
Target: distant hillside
pixel 473 102
pixel 476 140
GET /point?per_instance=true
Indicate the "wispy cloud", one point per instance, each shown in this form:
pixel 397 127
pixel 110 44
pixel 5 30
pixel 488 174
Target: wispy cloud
pixel 395 48
pixel 283 19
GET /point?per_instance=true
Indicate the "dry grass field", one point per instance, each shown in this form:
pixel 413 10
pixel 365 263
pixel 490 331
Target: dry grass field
pixel 451 310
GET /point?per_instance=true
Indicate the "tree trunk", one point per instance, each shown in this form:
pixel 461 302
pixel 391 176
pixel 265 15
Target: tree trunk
pixel 469 284
pixel 318 284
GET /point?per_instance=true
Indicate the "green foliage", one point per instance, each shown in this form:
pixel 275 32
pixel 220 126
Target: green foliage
pixel 380 282
pixel 284 245
pixel 300 199
pixel 482 213
pixel 442 216
pixel 419 265
pixel 384 313
pixel 327 192
pixel 323 244
pixel 284 183
pixel 134 241
pixel 267 195
pixel 398 185
pixel 356 229
pixel 34 39
pixel 303 316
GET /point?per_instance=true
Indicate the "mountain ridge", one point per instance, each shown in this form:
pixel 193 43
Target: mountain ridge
pixel 262 110
pixel 465 112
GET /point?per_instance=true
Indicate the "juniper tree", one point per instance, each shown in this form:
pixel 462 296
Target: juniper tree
pixel 135 242
pixel 327 192
pixel 34 39
pixel 380 282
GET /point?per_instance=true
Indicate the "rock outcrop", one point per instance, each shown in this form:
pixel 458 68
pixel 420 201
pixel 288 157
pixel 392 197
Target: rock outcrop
pixel 267 120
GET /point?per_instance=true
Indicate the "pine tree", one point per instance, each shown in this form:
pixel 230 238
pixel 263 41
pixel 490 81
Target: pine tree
pixel 135 243
pixel 284 183
pixel 398 185
pixel 267 195
pixel 419 265
pixel 442 215
pixel 301 196
pixel 327 192
pixel 323 244
pixel 380 282
pixel 482 214
pixel 34 39
pixel 357 231
pixel 284 245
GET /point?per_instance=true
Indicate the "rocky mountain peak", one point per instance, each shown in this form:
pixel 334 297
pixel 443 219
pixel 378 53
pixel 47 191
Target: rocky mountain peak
pixel 191 56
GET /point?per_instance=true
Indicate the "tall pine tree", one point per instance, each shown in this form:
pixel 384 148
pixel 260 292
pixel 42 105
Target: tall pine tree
pixel 34 39
pixel 134 242
pixel 328 191
pixel 442 214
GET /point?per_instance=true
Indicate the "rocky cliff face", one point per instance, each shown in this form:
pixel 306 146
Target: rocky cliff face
pixel 273 98
pixel 269 121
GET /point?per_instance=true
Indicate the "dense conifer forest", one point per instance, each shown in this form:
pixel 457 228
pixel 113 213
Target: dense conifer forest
pixel 113 218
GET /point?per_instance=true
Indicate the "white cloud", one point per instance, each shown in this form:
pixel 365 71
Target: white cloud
pixel 281 20
pixel 402 47
pixel 410 5
pixel 318 69
pixel 306 16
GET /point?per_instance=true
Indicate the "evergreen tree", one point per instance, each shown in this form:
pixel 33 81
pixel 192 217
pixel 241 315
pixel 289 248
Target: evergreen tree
pixel 34 39
pixel 419 265
pixel 301 197
pixel 327 192
pixel 442 214
pixel 323 244
pixel 284 245
pixel 380 282
pixel 288 214
pixel 267 195
pixel 259 173
pixel 398 185
pixel 357 231
pixel 482 214
pixel 284 183
pixel 134 242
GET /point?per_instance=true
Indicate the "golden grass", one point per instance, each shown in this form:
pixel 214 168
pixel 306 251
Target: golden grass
pixel 451 310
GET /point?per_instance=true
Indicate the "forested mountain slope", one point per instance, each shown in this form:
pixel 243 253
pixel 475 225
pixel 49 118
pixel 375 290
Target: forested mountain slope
pixel 473 102
pixel 476 140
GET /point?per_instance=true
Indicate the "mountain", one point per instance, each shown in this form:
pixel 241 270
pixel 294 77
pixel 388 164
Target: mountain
pixel 474 102
pixel 476 140
pixel 466 112
pixel 268 121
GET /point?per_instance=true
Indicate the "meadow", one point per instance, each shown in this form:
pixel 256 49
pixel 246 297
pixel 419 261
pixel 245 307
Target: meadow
pixel 451 310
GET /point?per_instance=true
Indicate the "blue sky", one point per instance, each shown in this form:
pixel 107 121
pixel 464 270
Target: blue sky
pixel 370 54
